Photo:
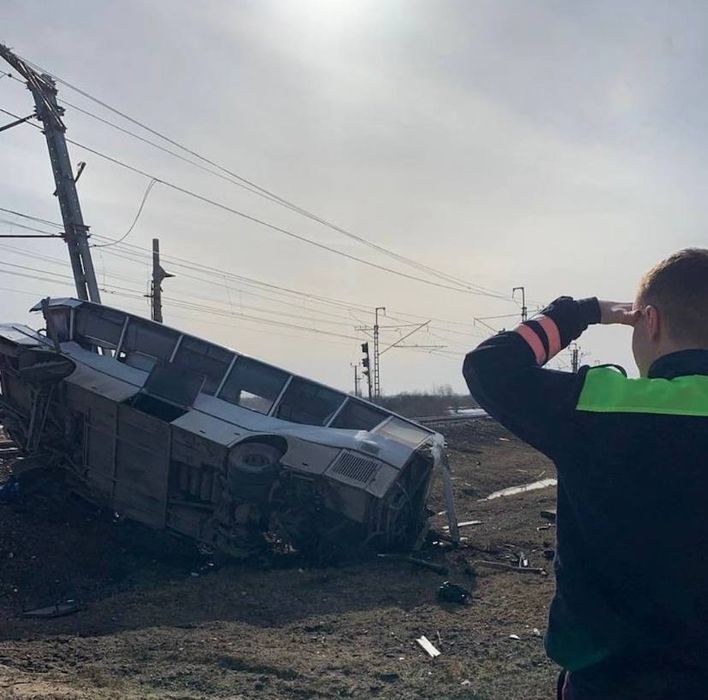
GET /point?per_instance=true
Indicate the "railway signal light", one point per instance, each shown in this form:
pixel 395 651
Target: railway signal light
pixel 365 362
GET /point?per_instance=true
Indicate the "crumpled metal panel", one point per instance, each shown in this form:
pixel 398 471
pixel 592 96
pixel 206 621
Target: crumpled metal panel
pixel 67 302
pixel 101 383
pixel 20 334
pixel 209 427
pixel 105 365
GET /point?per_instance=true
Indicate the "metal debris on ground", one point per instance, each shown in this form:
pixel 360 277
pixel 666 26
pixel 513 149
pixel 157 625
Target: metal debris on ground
pixel 510 567
pixel 515 637
pixel 442 463
pixel 523 488
pixel 466 523
pixel 454 593
pixel 428 647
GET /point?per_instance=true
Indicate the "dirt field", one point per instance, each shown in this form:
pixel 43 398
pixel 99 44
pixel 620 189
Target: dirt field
pixel 158 622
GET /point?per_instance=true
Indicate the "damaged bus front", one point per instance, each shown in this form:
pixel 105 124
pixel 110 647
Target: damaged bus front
pixel 181 434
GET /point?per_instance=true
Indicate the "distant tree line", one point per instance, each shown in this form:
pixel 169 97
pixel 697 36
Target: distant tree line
pixel 439 401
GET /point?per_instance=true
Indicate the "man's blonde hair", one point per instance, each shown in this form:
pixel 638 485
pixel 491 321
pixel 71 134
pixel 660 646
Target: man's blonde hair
pixel 678 288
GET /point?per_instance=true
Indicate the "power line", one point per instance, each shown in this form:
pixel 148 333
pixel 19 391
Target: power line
pixel 441 323
pixel 129 252
pixel 57 261
pixel 266 224
pixel 181 303
pixel 255 188
pixel 46 222
pixel 146 194
pixel 261 222
pixel 45 234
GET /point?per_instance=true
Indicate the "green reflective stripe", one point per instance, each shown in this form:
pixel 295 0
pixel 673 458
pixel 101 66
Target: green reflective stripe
pixel 607 391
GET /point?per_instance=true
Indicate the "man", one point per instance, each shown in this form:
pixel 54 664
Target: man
pixel 629 619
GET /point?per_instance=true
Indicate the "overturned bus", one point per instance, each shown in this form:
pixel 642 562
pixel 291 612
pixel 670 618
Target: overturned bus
pixel 180 434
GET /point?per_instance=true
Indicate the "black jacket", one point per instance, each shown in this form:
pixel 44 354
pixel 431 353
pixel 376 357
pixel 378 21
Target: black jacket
pixel 631 603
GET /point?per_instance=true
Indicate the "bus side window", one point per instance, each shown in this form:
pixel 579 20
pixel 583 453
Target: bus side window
pixel 357 415
pixel 253 385
pixel 147 344
pixel 308 403
pixel 204 359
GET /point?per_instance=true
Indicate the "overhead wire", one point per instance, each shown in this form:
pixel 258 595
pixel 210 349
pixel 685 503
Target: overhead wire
pixel 45 234
pixel 131 252
pixel 252 186
pixel 182 303
pixel 46 222
pixel 154 180
pixel 255 219
pixel 146 194
pixel 266 224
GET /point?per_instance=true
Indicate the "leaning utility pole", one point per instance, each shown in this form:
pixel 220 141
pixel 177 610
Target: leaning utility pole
pixel 158 274
pixel 524 314
pixel 377 354
pixel 44 92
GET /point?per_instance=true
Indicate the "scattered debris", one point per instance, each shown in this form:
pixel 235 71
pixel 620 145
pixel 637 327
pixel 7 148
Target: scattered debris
pixel 466 682
pixel 549 514
pixel 57 610
pixel 441 462
pixel 514 490
pixel 523 561
pixel 466 523
pixel 510 567
pixel 515 636
pixel 536 632
pixel 427 646
pixel 543 527
pixel 454 593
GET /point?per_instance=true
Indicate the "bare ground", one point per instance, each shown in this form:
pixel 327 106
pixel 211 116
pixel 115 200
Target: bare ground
pixel 149 628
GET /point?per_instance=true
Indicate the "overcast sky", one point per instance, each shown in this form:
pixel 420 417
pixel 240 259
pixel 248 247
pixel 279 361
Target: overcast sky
pixel 555 145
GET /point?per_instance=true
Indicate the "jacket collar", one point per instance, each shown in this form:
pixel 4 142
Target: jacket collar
pixel 678 364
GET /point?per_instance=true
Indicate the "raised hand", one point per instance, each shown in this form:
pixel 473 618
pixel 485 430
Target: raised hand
pixel 622 313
